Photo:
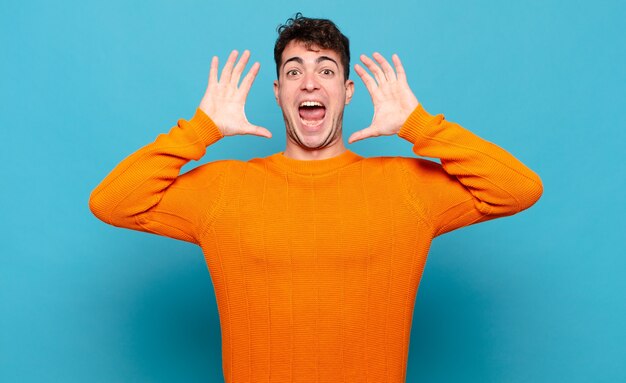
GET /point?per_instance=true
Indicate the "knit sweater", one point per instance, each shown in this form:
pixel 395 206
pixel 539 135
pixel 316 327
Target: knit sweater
pixel 315 264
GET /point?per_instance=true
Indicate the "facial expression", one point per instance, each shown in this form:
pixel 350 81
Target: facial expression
pixel 312 93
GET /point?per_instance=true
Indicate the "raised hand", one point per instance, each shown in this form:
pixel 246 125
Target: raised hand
pixel 392 98
pixel 224 99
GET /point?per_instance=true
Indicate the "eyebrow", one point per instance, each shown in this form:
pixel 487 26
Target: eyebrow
pixel 317 61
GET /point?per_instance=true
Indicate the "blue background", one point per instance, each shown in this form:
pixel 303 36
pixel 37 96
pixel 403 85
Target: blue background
pixel 537 297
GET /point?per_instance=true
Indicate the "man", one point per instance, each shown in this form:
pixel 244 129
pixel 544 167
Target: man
pixel 315 253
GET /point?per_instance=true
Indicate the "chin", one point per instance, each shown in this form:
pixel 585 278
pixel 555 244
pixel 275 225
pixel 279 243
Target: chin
pixel 324 139
pixel 311 135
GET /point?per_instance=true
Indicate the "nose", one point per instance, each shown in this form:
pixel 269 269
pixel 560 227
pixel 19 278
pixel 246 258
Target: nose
pixel 309 82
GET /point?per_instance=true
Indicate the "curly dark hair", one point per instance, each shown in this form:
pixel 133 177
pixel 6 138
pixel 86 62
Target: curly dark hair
pixel 319 32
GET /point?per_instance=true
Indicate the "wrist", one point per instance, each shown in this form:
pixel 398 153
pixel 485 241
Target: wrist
pixel 415 123
pixel 205 127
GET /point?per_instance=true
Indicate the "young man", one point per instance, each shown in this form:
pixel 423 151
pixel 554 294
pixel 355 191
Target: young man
pixel 315 253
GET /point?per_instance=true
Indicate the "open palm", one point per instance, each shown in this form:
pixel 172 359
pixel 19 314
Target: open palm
pixel 225 99
pixel 392 98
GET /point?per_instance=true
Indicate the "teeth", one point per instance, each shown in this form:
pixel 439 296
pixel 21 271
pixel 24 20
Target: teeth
pixel 311 103
pixel 311 123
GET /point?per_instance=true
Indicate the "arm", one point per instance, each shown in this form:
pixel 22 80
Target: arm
pixel 476 180
pixel 145 192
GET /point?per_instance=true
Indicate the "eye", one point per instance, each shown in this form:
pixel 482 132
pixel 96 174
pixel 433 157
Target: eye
pixel 328 72
pixel 292 72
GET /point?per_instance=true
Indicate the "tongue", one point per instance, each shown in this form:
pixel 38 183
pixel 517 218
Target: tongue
pixel 312 113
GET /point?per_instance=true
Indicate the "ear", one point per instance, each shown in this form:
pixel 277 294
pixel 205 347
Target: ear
pixel 276 91
pixel 349 90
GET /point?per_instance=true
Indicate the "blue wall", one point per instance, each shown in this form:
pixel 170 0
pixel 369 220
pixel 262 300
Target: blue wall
pixel 537 297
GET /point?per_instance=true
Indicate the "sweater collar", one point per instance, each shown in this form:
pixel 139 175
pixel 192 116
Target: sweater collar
pixel 314 167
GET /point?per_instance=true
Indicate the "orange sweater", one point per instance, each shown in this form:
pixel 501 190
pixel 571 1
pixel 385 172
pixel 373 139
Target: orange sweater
pixel 315 264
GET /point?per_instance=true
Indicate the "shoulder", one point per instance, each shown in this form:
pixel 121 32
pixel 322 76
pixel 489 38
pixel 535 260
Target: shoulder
pixel 404 163
pixel 408 169
pixel 207 174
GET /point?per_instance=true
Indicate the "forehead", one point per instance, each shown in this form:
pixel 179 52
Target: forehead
pixel 299 49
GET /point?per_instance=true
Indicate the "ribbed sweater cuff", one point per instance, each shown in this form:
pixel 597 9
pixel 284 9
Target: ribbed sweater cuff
pixel 413 127
pixel 205 128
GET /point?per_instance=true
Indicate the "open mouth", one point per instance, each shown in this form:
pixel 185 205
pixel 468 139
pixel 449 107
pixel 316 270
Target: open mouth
pixel 312 112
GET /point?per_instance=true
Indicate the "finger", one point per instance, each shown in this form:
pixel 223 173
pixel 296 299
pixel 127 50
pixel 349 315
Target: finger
pixel 257 131
pixel 369 82
pixel 370 131
pixel 387 69
pixel 399 68
pixel 247 81
pixel 213 72
pixel 243 61
pixel 374 68
pixel 227 71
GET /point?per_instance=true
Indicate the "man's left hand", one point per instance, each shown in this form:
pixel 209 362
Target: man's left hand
pixel 393 99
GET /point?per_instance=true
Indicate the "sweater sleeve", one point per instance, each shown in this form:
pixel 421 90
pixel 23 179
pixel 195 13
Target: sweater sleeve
pixel 476 180
pixel 145 192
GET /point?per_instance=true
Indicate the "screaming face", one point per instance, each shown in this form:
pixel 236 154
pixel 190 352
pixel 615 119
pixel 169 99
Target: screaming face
pixel 312 93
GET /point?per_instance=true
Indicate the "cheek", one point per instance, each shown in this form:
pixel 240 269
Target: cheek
pixel 338 99
pixel 337 92
pixel 285 97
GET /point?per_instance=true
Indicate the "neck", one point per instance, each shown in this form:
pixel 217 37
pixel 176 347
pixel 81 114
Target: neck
pixel 296 152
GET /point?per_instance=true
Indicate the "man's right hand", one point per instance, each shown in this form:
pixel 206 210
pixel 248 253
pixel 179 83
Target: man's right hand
pixel 224 99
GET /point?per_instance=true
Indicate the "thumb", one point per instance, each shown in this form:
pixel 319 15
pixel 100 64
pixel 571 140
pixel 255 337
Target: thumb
pixel 257 131
pixel 370 131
